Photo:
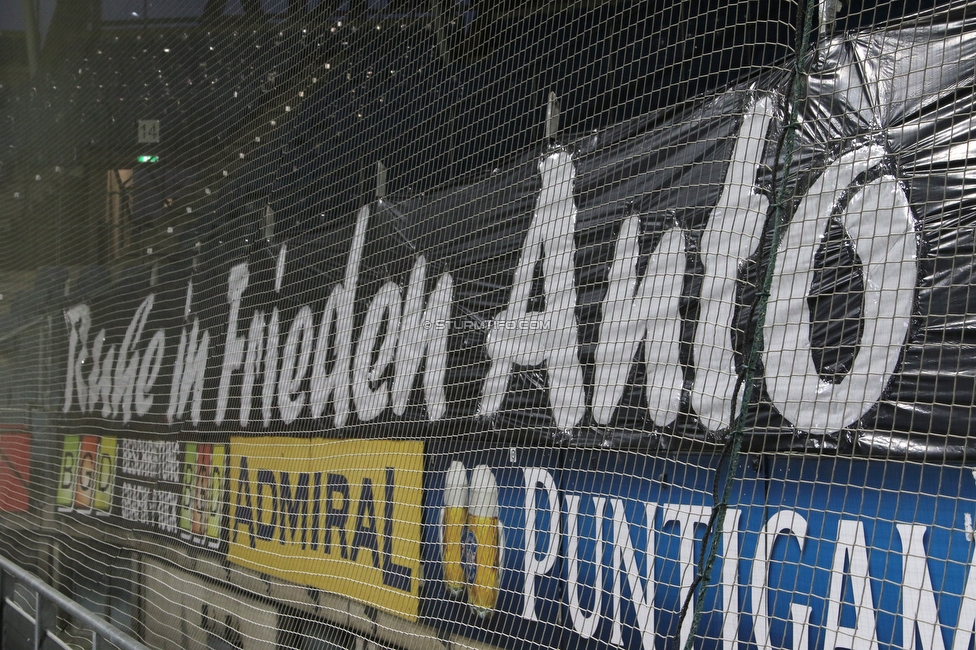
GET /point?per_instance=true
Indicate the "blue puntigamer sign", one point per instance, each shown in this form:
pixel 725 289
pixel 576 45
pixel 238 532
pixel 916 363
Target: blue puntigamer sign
pixel 588 549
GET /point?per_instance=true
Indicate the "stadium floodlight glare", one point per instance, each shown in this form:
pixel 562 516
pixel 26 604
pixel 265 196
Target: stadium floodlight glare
pixel 147 159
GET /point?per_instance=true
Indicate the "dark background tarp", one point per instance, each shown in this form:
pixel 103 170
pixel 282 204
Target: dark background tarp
pixel 907 89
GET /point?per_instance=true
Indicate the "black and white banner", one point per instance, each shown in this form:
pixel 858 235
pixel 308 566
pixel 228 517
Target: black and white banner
pixel 604 290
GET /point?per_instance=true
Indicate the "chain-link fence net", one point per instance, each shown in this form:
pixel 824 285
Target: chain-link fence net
pixel 492 324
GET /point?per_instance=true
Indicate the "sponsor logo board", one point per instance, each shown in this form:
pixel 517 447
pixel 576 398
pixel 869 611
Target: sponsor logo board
pixel 204 473
pixel 341 516
pixel 163 486
pixel 88 471
pixel 15 474
pixel 602 549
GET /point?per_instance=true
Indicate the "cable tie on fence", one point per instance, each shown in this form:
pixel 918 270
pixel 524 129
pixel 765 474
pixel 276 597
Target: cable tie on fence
pixel 552 117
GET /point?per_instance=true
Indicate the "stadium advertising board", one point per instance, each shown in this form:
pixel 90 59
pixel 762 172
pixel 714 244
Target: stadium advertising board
pixel 596 549
pixel 15 470
pixel 88 470
pixel 174 488
pixel 340 516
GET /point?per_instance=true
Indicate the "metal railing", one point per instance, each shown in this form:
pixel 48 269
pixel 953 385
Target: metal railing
pixel 48 603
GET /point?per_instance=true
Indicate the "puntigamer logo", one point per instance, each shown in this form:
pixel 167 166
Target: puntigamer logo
pixel 472 539
pixel 603 548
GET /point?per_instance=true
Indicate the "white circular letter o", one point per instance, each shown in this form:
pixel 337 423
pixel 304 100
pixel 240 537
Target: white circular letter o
pixel 879 221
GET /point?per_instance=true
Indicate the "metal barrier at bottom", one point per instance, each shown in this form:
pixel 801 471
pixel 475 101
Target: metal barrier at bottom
pixel 38 630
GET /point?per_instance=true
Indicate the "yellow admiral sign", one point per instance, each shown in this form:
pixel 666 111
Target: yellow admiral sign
pixel 341 516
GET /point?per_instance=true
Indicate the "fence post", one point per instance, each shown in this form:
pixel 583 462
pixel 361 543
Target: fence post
pixel 54 601
pixel 45 618
pixel 3 603
pixel 7 582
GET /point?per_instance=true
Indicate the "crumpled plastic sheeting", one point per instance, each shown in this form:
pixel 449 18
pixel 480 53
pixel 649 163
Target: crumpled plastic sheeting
pixel 907 91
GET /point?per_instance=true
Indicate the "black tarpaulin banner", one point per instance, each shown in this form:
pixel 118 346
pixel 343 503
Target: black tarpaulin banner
pixel 601 290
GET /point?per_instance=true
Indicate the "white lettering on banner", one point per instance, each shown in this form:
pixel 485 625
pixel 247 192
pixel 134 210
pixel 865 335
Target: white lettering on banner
pixel 641 588
pixel 100 377
pixel 918 598
pixel 150 460
pixel 966 624
pixel 252 364
pixel 385 306
pixel 879 220
pixel 688 517
pixel 648 313
pixel 783 522
pixel 78 319
pixel 315 364
pixel 188 377
pixel 418 341
pixel 624 564
pixel 153 459
pixel 549 238
pixel 272 347
pixel 152 362
pixel 135 503
pixel 116 394
pixel 337 319
pixel 734 231
pixel 536 477
pixel 150 506
pixel 360 374
pixel 851 552
pixel 584 623
pixel 126 367
pixel 632 583
pixel 270 367
pixel 730 579
pixel 166 506
pixel 234 344
pixel 294 365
